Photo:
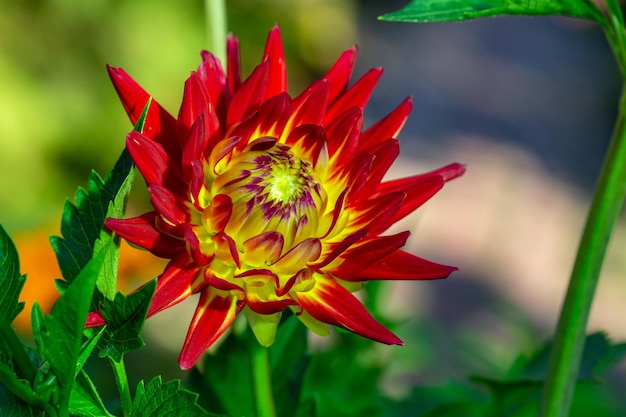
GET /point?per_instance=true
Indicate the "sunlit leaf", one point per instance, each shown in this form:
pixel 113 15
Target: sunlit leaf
pixel 449 10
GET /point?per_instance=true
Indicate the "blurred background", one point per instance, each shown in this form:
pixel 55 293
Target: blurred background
pixel 527 103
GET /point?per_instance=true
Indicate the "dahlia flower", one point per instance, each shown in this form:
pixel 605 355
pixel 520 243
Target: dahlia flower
pixel 264 202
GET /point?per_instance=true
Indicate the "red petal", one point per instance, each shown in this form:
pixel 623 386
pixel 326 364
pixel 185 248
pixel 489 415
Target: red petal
pixel 343 136
pixel 195 146
pixel 371 250
pixel 339 74
pixel 385 153
pixel 277 80
pixel 310 106
pixel 94 319
pixel 142 231
pixel 273 116
pixel 417 190
pixel 195 249
pixel 387 128
pixel 375 214
pixel 340 247
pixel 398 265
pixel 249 95
pixel 159 125
pixel 308 141
pixel 212 75
pixel 216 216
pixel 331 303
pixel 171 207
pixel 195 103
pixel 449 172
pixel 234 63
pixel 180 279
pixel 356 96
pixel 297 257
pixel 213 316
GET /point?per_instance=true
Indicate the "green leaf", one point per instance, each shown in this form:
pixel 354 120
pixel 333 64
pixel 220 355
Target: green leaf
pixel 157 399
pixel 59 335
pixel 11 281
pixel 86 349
pixel 84 400
pixel 450 10
pixel 125 316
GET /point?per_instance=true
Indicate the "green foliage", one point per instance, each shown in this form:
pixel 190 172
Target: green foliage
pixel 59 335
pixel 517 394
pixel 343 381
pixel 163 400
pixel 450 10
pixel 11 281
pixel 84 399
pixel 227 384
pixel 125 316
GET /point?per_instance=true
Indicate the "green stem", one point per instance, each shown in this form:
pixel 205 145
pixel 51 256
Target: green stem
pixel 262 380
pixel 122 384
pixel 570 334
pixel 216 28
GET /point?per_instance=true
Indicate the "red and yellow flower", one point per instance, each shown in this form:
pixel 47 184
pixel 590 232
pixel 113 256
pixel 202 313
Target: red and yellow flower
pixel 264 202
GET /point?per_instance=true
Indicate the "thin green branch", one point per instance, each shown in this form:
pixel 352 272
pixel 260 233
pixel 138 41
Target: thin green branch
pixel 262 380
pixel 122 384
pixel 570 335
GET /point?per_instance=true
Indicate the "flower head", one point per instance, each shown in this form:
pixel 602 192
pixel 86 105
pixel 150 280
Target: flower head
pixel 264 202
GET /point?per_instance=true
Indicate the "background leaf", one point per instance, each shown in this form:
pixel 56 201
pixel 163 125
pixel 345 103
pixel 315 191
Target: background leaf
pixel 157 399
pixel 11 281
pixel 449 10
pixel 125 316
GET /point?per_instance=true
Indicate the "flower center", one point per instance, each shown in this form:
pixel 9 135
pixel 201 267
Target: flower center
pixel 271 190
pixel 285 184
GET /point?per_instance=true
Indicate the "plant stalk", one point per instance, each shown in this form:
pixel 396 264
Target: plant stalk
pixel 122 384
pixel 570 334
pixel 262 380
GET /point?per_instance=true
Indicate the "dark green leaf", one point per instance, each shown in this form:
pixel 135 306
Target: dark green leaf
pixel 84 400
pixel 157 399
pixel 59 335
pixel 125 316
pixel 11 281
pixel 449 10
